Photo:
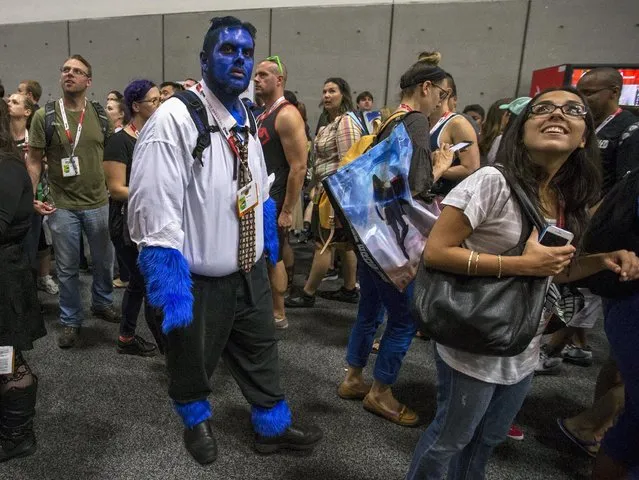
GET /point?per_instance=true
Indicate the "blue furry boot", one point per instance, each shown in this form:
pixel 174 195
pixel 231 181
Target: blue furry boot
pixel 271 422
pixel 275 430
pixel 168 285
pixel 271 242
pixel 198 435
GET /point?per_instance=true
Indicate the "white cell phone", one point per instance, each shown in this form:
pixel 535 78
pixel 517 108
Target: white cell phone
pixel 553 236
pixel 461 146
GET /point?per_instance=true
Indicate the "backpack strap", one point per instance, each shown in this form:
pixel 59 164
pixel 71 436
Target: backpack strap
pixel 392 121
pixel 102 117
pixel 49 118
pixel 200 118
pixel 252 121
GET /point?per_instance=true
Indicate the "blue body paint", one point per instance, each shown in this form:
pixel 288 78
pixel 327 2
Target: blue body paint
pixel 227 68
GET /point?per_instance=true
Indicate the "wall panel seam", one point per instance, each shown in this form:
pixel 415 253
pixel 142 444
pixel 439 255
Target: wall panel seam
pixel 390 47
pixel 523 47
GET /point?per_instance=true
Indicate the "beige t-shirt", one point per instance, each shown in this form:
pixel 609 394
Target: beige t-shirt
pixel 495 216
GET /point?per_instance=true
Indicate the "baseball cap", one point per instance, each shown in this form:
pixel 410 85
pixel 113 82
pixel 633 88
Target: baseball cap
pixel 517 105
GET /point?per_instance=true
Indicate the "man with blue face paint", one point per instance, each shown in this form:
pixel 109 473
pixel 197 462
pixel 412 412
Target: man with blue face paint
pixel 204 224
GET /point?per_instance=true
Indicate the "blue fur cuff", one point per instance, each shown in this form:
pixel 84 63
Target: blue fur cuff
pixel 168 285
pixel 271 422
pixel 271 244
pixel 193 413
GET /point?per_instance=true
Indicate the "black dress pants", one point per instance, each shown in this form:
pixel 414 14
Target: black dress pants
pixel 232 319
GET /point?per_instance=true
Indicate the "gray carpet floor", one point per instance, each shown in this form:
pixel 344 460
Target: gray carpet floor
pixel 101 415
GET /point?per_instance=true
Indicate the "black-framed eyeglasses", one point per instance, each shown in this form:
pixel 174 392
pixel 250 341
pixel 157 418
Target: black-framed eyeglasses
pixel 153 101
pixel 443 94
pixel 570 109
pixel 276 59
pixel 75 71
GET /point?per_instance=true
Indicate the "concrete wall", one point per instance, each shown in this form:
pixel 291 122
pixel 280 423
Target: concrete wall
pixel 490 46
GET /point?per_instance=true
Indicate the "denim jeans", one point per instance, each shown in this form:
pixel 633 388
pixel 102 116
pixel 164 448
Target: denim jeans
pixel 472 418
pixel 135 295
pixel 66 229
pixel 375 295
pixel 622 329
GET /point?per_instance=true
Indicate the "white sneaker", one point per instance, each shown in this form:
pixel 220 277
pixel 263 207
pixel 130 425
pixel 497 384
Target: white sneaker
pixel 46 284
pixel 281 323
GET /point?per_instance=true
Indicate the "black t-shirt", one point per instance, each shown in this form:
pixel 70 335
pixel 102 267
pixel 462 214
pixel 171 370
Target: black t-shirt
pixel 420 175
pixel 119 148
pixel 608 146
pixel 628 150
pixel 16 201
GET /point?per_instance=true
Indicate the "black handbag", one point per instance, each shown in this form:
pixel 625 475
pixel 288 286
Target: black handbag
pixel 483 315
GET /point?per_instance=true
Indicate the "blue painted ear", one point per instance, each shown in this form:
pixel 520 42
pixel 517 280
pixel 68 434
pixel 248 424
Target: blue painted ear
pixel 271 242
pixel 168 285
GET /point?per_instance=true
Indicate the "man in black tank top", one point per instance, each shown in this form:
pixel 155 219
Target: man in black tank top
pixel 283 138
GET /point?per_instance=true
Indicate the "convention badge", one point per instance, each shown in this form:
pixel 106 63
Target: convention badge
pixel 247 198
pixel 70 166
pixel 6 360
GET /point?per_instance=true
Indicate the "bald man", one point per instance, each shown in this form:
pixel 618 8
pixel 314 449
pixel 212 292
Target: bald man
pixel 602 89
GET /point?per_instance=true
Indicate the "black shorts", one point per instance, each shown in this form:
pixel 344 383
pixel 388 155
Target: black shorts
pixel 42 242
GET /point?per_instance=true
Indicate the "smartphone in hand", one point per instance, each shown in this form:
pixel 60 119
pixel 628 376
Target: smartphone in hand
pixel 553 236
pixel 461 145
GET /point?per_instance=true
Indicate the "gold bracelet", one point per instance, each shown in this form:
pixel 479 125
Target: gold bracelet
pixel 470 259
pixel 499 260
pixel 476 263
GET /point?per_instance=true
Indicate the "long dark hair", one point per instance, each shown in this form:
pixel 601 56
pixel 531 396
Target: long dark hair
pixel 347 99
pixel 8 148
pixel 492 125
pixel 578 181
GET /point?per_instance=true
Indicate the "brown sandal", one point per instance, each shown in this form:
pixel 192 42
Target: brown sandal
pixel 352 393
pixel 406 417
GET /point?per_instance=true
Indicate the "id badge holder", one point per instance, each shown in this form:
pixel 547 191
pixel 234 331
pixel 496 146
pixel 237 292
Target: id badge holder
pixel 247 199
pixel 70 166
pixel 7 359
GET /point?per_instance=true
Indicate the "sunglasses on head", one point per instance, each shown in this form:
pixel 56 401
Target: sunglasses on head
pixel 276 59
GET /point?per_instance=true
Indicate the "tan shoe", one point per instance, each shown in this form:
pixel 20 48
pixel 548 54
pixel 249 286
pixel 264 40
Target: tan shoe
pixel 350 392
pixel 405 417
pixel 117 283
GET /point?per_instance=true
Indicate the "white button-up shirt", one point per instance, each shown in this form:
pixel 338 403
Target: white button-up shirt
pixel 176 202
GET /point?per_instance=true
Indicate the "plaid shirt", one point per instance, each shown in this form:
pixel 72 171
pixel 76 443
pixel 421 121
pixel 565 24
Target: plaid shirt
pixel 331 144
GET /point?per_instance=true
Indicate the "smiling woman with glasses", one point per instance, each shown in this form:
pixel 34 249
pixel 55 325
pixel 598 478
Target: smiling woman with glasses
pixel 142 98
pixel 550 151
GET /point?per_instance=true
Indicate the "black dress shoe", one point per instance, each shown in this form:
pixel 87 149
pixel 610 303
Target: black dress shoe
pixel 200 443
pixel 294 438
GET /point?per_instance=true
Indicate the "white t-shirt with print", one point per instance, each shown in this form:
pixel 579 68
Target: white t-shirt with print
pixel 496 219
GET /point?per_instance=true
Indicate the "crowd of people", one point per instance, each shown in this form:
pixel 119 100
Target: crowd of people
pixel 191 192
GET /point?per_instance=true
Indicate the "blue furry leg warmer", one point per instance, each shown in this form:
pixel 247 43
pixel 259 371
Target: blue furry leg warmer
pixel 168 285
pixel 271 242
pixel 271 422
pixel 193 413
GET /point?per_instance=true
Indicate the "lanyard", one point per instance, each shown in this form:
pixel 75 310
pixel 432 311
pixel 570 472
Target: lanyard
pixel 265 114
pixel 607 121
pixel 403 106
pixel 440 122
pixel 134 129
pixel 67 130
pixel 237 143
pixel 561 220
